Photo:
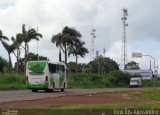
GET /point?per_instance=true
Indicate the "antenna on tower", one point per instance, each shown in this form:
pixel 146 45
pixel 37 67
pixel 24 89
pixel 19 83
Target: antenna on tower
pixel 92 42
pixel 124 38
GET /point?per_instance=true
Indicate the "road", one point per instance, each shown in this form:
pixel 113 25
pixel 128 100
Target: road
pixel 10 96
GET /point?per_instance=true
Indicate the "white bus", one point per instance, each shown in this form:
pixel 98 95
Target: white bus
pixel 45 75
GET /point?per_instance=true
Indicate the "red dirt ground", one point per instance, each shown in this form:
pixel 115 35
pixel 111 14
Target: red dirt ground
pixel 100 98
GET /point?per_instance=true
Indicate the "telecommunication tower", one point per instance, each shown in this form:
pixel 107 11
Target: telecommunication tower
pixel 92 43
pixel 124 38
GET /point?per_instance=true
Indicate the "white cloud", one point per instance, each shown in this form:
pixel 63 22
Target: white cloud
pixel 50 16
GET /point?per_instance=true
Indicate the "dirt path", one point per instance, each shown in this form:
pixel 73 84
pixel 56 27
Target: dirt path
pixel 99 98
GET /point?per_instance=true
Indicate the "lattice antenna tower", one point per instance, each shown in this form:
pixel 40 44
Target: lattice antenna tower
pixel 92 43
pixel 124 38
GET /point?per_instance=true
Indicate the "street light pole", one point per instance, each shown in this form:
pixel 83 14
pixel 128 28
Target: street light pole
pixel 153 60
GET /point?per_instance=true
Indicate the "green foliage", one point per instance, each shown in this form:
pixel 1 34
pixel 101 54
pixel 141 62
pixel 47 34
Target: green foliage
pixel 81 67
pixel 12 78
pixel 119 78
pixel 84 80
pixel 32 56
pixel 77 49
pixel 3 64
pixel 12 81
pixel 103 65
pixel 151 83
pixel 132 66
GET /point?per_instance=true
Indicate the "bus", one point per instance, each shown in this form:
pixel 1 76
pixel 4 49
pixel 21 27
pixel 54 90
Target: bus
pixel 45 75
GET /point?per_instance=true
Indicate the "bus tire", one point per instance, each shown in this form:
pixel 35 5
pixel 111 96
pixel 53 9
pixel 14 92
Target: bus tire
pixel 49 90
pixel 34 90
pixel 62 89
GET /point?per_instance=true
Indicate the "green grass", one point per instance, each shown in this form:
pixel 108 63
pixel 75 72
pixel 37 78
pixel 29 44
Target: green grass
pixel 150 94
pixel 94 80
pixel 9 81
pixel 12 81
pixel 151 83
pixel 88 109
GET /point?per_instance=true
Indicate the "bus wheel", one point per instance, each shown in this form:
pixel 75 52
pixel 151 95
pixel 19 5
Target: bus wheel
pixel 34 90
pixel 62 89
pixel 49 90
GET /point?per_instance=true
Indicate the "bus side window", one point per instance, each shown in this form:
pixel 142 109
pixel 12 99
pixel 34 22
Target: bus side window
pixel 63 68
pixel 52 68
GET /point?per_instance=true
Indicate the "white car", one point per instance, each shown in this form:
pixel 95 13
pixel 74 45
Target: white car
pixel 135 82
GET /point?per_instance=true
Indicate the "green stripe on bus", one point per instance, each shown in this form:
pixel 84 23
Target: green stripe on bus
pixel 37 86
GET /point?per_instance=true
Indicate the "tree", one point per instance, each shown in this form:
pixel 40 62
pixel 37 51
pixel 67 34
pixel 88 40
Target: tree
pixel 17 43
pixel 57 39
pixel 132 66
pixel 103 65
pixel 9 48
pixel 31 57
pixel 27 36
pixel 3 63
pixel 77 49
pixel 68 36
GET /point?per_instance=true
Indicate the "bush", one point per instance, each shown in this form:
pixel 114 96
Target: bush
pixel 119 78
pixel 12 78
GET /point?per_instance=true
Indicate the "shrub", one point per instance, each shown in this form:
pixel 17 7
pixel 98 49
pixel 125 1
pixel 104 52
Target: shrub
pixel 119 78
pixel 12 78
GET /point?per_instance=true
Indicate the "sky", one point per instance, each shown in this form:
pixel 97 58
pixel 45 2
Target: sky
pixel 50 16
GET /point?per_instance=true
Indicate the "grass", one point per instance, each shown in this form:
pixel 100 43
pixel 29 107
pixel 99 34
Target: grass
pixel 12 81
pixel 150 94
pixel 89 109
pixel 151 83
pixel 151 103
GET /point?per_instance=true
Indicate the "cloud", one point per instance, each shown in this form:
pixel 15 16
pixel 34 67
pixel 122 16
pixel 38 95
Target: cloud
pixel 50 16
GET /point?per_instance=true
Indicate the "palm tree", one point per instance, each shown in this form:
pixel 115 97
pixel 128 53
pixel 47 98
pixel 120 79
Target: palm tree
pixel 9 48
pixel 57 39
pixel 17 43
pixel 27 36
pixel 2 37
pixel 68 37
pixel 78 49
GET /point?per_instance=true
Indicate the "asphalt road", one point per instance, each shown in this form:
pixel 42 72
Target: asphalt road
pixel 11 96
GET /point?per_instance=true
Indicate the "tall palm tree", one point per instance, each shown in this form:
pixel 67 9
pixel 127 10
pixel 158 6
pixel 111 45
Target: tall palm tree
pixel 27 36
pixel 68 37
pixel 78 49
pixel 9 48
pixel 57 39
pixel 17 43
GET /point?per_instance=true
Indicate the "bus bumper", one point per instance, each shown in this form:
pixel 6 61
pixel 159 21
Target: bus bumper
pixel 37 86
